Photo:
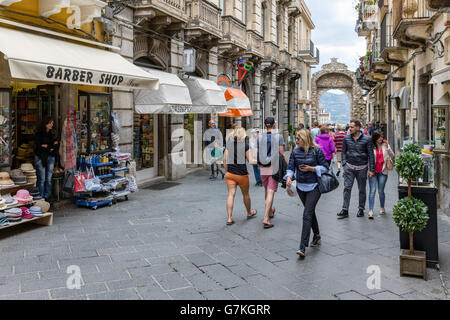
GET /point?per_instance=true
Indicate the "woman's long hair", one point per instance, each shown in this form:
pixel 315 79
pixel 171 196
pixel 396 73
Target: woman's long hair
pixel 45 121
pixel 306 136
pixel 238 134
pixel 375 136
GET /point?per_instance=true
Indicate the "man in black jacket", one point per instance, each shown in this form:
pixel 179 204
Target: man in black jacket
pixel 357 159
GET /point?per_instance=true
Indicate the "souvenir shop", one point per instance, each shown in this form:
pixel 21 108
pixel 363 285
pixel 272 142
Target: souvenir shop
pixel 33 86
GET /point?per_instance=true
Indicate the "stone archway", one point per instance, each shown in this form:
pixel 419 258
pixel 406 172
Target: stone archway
pixel 336 75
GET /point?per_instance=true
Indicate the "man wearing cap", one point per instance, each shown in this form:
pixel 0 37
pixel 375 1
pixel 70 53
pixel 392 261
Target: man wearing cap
pixel 270 145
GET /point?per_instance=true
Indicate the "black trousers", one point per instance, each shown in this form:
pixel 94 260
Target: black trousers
pixel 309 200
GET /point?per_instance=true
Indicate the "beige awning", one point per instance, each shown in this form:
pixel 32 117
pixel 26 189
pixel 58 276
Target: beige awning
pixel 403 95
pixel 206 96
pixel 34 57
pixel 172 97
pixel 441 76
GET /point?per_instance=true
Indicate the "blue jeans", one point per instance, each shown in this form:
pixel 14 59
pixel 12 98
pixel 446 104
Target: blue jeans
pixel 44 175
pixel 257 173
pixel 380 180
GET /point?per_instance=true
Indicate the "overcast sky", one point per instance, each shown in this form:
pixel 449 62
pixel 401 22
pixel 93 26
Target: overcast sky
pixel 335 34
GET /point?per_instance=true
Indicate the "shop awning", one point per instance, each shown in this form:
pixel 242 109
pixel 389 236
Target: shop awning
pixel 402 94
pixel 441 76
pixel 34 57
pixel 206 96
pixel 171 97
pixel 238 103
pixel 443 101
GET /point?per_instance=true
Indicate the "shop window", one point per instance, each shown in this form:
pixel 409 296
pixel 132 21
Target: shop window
pixel 6 124
pixel 94 126
pixel 144 140
pixel 440 120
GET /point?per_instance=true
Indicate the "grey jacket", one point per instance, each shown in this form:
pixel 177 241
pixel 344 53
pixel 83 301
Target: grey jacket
pixel 359 152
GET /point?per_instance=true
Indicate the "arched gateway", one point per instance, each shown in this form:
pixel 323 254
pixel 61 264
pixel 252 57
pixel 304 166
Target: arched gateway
pixel 336 75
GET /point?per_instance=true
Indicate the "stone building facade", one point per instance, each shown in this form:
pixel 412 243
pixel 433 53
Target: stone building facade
pixel 274 35
pixel 406 72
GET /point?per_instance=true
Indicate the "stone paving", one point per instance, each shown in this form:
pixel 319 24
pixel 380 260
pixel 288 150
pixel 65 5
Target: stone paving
pixel 174 244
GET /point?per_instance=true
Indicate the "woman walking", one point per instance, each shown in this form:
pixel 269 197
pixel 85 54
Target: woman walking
pixel 234 160
pixel 383 163
pixel 307 162
pixel 46 146
pixel 326 143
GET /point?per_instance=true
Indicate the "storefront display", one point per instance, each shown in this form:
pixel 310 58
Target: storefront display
pixel 440 122
pixel 144 140
pixel 94 123
pixel 6 126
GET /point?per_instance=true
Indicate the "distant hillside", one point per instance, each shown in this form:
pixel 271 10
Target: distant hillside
pixel 338 105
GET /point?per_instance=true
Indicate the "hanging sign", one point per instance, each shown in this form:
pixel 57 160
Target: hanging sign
pixel 244 66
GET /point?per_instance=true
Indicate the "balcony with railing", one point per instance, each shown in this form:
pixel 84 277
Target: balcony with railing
pixel 378 67
pixel 308 52
pixel 411 20
pixel 255 44
pixel 367 17
pixel 171 8
pixel 390 52
pixel 234 35
pixel 204 18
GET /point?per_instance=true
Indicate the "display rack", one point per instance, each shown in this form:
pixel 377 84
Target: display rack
pixel 98 198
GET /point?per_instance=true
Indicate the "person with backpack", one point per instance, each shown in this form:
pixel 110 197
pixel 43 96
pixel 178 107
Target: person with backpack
pixel 326 143
pixel 307 162
pixel 270 145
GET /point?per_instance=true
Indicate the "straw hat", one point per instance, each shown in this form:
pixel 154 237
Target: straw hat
pixel 27 167
pixel 5 180
pixel 3 205
pixel 18 177
pixel 44 205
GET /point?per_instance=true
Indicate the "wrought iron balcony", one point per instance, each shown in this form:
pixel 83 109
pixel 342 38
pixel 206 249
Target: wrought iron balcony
pixel 308 53
pixel 204 18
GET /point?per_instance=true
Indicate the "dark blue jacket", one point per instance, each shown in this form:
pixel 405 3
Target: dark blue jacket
pixel 313 158
pixel 359 152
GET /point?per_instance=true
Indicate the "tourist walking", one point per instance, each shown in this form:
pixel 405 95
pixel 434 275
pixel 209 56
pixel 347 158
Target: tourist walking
pixel 357 159
pixel 383 163
pixel 315 131
pixel 211 135
pixel 326 143
pixel 253 150
pixel 45 152
pixel 234 160
pixel 270 146
pixel 307 162
pixel 338 142
pixel 217 159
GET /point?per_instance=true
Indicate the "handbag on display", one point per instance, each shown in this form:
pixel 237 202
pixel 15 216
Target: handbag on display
pixel 92 183
pixel 68 185
pixel 78 180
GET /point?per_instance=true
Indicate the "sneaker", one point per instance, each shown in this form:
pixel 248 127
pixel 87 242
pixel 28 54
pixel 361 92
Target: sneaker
pixel 211 177
pixel 360 213
pixel 343 214
pixel 338 173
pixel 382 211
pixel 315 241
pixel 301 252
pixel 371 214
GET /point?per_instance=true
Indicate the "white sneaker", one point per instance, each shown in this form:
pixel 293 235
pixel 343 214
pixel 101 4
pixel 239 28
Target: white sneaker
pixel 382 211
pixel 370 214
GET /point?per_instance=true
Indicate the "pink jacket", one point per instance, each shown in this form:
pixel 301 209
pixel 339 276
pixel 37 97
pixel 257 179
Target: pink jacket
pixel 326 143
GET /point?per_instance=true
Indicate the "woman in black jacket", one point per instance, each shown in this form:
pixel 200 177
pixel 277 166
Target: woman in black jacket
pixel 307 162
pixel 46 146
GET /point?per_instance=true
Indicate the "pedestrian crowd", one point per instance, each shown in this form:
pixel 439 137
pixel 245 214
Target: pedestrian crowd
pixel 361 153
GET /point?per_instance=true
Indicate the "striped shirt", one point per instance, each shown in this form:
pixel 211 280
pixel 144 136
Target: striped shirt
pixel 339 140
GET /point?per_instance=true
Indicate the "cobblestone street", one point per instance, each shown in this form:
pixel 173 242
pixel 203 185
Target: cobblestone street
pixel 174 244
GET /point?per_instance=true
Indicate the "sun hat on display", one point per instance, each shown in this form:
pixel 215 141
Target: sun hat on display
pixel 36 211
pixel 13 212
pixel 18 177
pixel 35 193
pixel 5 180
pixel 26 214
pixel 44 205
pixel 3 204
pixel 9 200
pixel 27 167
pixel 23 196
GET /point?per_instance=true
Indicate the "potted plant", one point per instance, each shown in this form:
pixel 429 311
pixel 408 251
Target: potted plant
pixel 411 214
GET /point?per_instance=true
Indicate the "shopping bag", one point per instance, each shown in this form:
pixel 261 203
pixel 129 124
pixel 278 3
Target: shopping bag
pixel 78 180
pixel 132 185
pixel 92 183
pixel 68 185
